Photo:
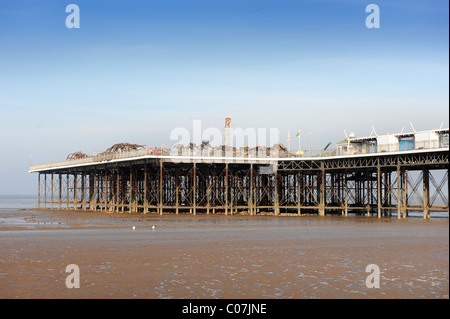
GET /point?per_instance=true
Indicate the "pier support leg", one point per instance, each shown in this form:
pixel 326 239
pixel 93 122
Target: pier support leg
pixel 91 191
pixel 277 198
pixel 145 190
pixel 75 195
pixel 208 192
pixel 232 181
pixel 51 196
pixel 131 201
pixel 399 192
pixel 177 187
pixel 226 189
pixel 117 190
pixel 96 182
pixel 378 191
pixel 39 190
pixel 160 204
pixel 59 191
pixel 426 193
pixel 45 190
pixel 106 201
pixel 194 189
pixel 67 190
pixel 83 185
pixel 322 193
pixel 250 192
pixel 299 194
pixel 403 193
pixel 346 195
pixel 405 207
pixel 208 195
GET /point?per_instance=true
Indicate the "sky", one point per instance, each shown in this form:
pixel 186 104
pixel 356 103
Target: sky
pixel 136 70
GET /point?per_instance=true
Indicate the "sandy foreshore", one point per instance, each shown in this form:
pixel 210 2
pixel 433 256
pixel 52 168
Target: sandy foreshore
pixel 203 256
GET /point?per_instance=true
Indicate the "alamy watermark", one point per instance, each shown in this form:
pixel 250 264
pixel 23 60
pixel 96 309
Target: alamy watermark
pixel 73 19
pixel 373 280
pixel 373 19
pixel 226 144
pixel 73 280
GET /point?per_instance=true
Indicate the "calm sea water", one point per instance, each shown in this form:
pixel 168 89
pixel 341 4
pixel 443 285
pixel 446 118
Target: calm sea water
pixel 18 201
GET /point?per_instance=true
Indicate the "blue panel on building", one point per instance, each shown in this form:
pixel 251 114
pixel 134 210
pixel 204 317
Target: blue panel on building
pixel 405 145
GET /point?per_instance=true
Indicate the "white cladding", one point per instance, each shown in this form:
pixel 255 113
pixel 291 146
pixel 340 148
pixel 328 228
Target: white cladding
pixel 426 139
pixel 387 143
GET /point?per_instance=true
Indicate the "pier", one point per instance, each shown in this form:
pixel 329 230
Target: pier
pixel 150 181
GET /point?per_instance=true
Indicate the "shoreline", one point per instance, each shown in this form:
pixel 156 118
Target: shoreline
pixel 46 218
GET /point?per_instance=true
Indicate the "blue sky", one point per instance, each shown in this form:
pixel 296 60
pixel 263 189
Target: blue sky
pixel 135 70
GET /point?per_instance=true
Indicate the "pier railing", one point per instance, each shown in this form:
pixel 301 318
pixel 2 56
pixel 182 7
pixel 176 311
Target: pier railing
pixel 266 153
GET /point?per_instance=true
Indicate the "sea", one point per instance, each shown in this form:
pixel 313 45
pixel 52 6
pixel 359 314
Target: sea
pixel 12 202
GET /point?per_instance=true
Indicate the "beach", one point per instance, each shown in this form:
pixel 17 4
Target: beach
pixel 217 256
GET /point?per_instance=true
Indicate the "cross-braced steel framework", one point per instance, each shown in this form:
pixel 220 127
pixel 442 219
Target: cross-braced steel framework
pixel 372 185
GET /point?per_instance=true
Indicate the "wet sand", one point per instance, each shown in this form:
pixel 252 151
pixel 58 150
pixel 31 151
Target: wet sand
pixel 220 256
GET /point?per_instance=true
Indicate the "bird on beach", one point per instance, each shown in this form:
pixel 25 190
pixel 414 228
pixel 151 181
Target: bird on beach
pixel 134 227
pixel 153 227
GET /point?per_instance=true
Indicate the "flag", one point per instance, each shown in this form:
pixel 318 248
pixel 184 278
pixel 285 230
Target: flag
pixel 289 136
pixel 298 133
